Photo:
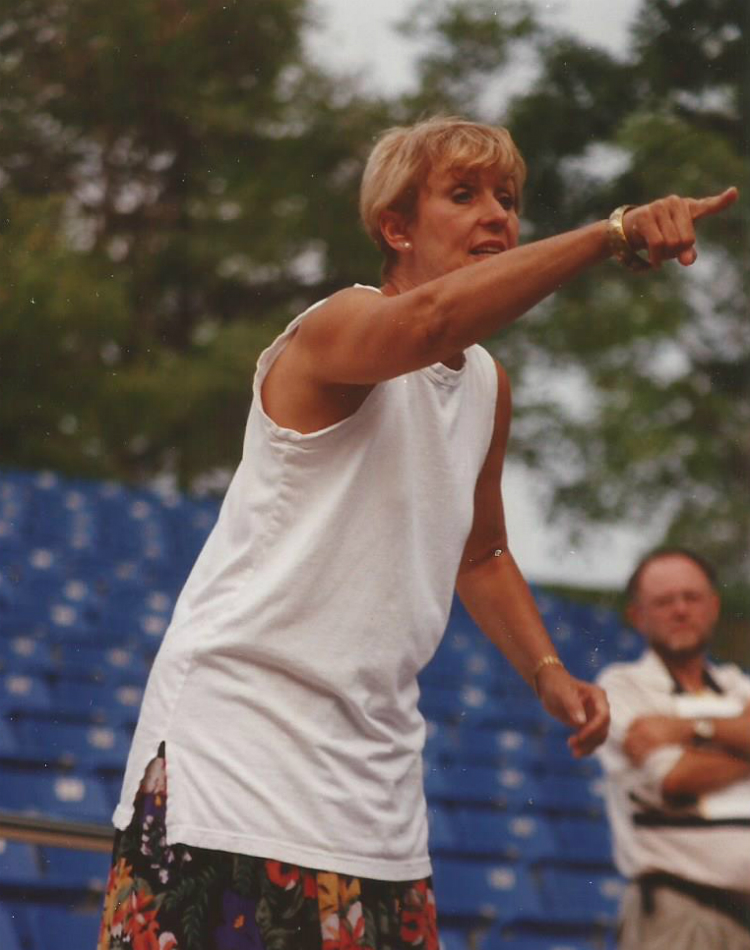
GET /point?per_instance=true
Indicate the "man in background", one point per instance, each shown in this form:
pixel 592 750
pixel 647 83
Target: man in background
pixel 677 766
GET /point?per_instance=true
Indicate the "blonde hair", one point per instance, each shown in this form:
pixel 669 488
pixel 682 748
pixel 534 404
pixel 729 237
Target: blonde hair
pixel 404 156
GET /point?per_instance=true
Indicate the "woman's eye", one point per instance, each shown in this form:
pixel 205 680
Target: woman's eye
pixel 506 201
pixel 462 196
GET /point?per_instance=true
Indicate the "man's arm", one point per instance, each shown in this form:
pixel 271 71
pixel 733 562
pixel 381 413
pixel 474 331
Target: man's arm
pixel 698 772
pixel 646 733
pixel 494 592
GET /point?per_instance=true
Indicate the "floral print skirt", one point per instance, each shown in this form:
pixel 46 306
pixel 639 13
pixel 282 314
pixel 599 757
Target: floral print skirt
pixel 177 897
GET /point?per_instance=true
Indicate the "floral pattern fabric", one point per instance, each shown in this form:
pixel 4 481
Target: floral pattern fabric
pixel 177 897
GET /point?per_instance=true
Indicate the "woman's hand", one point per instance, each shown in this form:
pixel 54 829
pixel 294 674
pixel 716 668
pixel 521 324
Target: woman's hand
pixel 578 704
pixel 665 228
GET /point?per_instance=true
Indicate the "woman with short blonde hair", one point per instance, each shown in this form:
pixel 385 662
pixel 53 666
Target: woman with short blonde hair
pixel 402 157
pixel 280 735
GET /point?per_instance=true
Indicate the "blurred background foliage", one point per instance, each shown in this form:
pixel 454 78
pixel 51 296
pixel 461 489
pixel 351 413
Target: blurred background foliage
pixel 178 179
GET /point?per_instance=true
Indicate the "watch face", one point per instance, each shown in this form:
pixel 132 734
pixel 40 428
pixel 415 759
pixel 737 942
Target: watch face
pixel 703 728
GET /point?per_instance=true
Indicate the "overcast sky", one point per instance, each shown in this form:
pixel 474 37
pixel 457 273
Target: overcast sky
pixel 357 35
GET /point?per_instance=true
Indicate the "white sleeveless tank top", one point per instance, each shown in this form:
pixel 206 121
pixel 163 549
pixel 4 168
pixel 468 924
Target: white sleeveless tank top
pixel 285 687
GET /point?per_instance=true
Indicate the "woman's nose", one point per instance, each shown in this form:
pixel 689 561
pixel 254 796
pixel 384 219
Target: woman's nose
pixel 493 212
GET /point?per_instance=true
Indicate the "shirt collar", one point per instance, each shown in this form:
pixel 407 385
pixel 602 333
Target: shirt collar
pixel 656 665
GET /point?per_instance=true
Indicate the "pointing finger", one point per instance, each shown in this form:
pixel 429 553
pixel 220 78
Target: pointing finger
pixel 704 207
pixel 684 224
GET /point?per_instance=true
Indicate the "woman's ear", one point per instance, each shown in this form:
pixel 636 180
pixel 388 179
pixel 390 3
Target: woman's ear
pixel 395 231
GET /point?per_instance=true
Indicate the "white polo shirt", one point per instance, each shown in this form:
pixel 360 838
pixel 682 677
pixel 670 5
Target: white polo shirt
pixel 707 841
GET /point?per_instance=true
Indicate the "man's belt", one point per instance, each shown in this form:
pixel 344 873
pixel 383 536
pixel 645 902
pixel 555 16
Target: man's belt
pixel 731 903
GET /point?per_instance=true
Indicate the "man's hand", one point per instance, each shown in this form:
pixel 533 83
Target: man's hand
pixel 578 704
pixel 648 733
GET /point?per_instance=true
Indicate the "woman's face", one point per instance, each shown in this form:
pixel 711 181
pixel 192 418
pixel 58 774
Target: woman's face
pixel 461 218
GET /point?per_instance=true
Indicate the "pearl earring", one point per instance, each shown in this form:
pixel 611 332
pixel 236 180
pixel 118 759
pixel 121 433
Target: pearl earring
pixel 406 245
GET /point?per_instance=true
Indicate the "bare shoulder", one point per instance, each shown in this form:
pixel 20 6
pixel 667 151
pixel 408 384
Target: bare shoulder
pixel 298 392
pixel 342 309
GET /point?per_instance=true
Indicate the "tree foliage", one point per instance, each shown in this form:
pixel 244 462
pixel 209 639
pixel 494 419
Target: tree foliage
pixel 176 181
pixel 633 393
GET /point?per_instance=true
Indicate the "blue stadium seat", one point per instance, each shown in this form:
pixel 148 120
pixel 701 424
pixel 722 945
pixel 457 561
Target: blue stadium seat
pixel 18 864
pixel 90 576
pixel 443 830
pixel 99 702
pixel 68 868
pixel 10 938
pixel 47 922
pixel 506 836
pixel 467 658
pixel 495 747
pixel 440 703
pixel 583 840
pixel 629 645
pixel 513 938
pixel 94 661
pixel 504 787
pixel 440 742
pixel 87 745
pixel 7 594
pixel 75 797
pixel 68 620
pixel 42 566
pixel 452 938
pixel 474 706
pixel 581 897
pixel 554 756
pixel 27 655
pixel 113 787
pixel 8 742
pixel 20 692
pixel 571 795
pixel 481 890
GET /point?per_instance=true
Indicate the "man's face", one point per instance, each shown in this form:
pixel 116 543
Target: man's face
pixel 675 607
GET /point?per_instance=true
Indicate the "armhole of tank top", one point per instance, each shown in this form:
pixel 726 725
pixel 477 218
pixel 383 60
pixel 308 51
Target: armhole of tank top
pixel 271 353
pixel 286 436
pixel 488 371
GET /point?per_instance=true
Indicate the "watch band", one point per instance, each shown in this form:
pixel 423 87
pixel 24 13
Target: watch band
pixel 619 244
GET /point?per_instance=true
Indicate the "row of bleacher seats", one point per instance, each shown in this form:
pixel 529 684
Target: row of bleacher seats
pixel 89 574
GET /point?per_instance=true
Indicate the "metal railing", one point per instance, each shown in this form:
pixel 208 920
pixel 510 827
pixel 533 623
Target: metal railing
pixel 34 829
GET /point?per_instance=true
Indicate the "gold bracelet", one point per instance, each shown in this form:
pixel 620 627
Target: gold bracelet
pixel 619 244
pixel 549 660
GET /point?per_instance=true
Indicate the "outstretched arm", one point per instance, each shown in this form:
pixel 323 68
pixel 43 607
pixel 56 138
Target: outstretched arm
pixel 358 338
pixel 498 598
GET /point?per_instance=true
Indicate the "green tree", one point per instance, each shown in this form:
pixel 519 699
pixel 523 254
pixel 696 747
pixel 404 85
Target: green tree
pixel 632 392
pixel 176 182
